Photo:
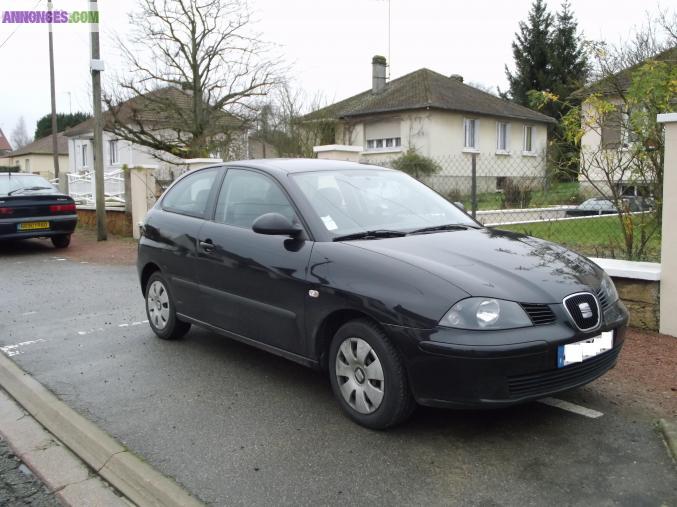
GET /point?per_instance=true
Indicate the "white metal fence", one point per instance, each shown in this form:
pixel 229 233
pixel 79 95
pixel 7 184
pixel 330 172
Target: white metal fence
pixel 82 188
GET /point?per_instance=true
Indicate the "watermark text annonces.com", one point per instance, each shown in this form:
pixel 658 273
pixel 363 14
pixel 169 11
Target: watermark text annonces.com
pixel 38 17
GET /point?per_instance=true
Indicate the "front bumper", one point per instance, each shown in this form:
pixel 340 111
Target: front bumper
pixel 480 369
pixel 58 225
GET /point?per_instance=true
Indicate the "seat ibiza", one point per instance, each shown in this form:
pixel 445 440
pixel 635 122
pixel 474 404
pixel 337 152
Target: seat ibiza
pixel 371 276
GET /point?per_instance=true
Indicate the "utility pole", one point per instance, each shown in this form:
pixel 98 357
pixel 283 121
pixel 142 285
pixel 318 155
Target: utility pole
pixel 96 67
pixel 55 145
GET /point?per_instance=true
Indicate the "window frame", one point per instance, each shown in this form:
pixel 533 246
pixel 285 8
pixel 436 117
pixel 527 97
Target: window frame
pixel 505 150
pixel 371 144
pixel 475 148
pixel 114 160
pixel 209 207
pixel 84 158
pixel 530 151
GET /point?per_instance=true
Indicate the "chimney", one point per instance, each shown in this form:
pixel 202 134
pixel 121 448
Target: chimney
pixel 456 77
pixel 378 73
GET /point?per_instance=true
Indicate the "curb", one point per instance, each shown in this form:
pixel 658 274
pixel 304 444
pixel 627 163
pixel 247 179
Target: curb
pixel 669 430
pixel 129 474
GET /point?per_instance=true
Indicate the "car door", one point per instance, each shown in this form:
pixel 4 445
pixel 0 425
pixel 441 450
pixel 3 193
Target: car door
pixel 253 284
pixel 172 233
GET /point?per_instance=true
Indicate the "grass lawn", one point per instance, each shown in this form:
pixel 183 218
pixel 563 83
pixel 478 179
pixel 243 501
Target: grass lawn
pixel 595 237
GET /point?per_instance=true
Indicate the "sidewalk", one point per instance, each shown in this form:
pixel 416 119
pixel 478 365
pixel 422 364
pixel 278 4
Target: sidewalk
pixel 18 486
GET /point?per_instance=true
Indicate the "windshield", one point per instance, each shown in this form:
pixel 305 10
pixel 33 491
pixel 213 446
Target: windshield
pixel 18 181
pixel 353 201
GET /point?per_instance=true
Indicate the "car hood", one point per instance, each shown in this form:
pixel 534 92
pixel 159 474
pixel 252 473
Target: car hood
pixel 492 263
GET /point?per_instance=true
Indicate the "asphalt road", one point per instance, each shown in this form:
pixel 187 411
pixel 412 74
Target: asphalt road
pixel 238 426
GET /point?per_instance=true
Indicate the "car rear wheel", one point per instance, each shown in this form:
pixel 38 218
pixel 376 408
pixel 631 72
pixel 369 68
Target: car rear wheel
pixel 61 241
pixel 160 310
pixel 368 376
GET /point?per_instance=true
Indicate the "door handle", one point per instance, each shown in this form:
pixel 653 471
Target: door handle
pixel 207 245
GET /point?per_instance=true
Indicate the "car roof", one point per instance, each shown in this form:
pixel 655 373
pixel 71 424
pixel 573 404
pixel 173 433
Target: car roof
pixel 300 165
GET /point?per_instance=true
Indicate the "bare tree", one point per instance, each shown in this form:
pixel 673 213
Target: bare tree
pixel 283 124
pixel 656 34
pixel 20 137
pixel 206 50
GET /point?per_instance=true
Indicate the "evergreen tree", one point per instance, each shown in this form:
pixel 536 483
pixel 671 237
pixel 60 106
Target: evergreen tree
pixel 63 121
pixel 569 60
pixel 532 55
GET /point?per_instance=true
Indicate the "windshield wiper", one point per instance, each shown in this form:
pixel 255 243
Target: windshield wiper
pixel 376 234
pixel 445 227
pixel 28 188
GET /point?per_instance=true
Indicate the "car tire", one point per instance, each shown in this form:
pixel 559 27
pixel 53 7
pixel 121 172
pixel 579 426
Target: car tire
pixel 359 354
pixel 160 309
pixel 61 241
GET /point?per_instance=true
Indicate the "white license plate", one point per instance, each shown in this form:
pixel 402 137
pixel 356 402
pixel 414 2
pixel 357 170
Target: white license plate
pixel 585 349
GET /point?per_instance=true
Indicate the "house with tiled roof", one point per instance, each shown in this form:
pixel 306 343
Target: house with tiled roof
pixel 162 112
pixel 37 157
pixel 440 117
pixel 609 134
pixel 5 147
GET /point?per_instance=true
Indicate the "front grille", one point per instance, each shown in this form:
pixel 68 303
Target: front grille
pixel 583 309
pixel 539 314
pixel 534 384
pixel 603 300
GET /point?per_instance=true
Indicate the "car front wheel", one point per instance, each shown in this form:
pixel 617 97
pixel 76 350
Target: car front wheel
pixel 368 376
pixel 160 310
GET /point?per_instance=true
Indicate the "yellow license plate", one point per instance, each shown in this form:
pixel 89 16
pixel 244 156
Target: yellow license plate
pixel 31 226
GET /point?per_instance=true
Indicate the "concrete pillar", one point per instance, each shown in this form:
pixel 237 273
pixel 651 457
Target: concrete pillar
pixel 142 185
pixel 338 152
pixel 668 317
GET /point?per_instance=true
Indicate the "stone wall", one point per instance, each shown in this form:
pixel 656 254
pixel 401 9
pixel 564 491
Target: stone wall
pixel 117 221
pixel 642 299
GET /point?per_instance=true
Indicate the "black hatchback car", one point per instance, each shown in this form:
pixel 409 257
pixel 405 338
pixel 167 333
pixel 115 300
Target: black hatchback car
pixel 30 207
pixel 373 277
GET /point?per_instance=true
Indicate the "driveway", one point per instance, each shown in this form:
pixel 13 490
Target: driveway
pixel 236 425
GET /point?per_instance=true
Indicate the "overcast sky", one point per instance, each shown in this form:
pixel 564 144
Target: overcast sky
pixel 328 44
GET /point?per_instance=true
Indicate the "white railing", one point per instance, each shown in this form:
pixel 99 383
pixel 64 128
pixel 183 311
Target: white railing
pixel 81 187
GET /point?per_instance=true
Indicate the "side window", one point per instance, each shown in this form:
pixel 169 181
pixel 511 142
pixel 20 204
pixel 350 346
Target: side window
pixel 191 194
pixel 246 195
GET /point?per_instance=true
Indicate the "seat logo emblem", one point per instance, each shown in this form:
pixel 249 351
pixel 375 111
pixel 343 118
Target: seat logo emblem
pixel 585 309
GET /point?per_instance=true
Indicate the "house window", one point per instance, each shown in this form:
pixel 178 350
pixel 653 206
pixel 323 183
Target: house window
pixel 387 142
pixel 383 135
pixel 83 153
pixel 470 128
pixel 113 151
pixel 502 137
pixel 528 139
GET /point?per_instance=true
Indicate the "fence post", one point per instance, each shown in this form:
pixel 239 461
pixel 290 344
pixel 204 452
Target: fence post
pixel 668 298
pixel 473 185
pixel 128 189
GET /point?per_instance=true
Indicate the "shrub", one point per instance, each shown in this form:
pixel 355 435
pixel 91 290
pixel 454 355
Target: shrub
pixel 9 169
pixel 516 194
pixel 415 165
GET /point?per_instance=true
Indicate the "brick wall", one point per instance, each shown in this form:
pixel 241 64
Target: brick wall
pixel 117 221
pixel 642 299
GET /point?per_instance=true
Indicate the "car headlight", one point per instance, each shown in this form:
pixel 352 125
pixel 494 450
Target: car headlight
pixel 486 313
pixel 609 289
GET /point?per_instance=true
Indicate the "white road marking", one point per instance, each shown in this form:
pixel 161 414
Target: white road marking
pixel 29 313
pixel 14 350
pixel 123 324
pixel 571 407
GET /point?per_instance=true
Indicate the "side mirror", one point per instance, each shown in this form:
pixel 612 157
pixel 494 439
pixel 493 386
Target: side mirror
pixel 275 224
pixel 460 205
